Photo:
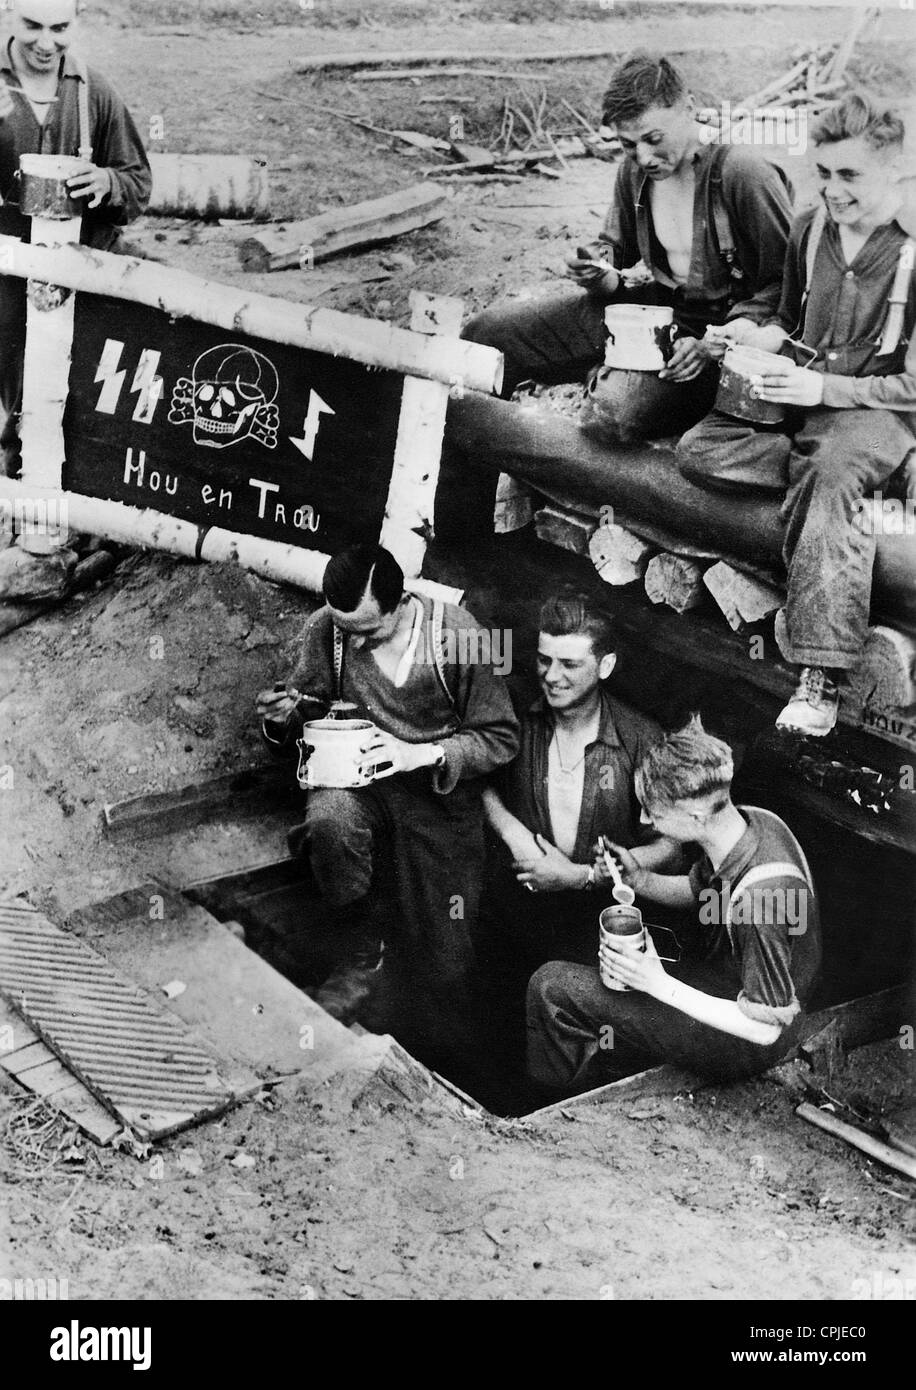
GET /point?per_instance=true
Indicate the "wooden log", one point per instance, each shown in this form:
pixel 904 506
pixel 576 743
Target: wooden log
pixel 411 501
pixel 618 555
pixel 885 675
pixel 362 224
pixel 209 185
pixel 565 529
pixel 393 74
pixel 141 527
pixel 184 806
pixel 181 294
pixel 891 1158
pixel 743 600
pixel 514 506
pixel 860 20
pixel 48 343
pixel 346 61
pixel 675 580
pixel 496 161
pixel 779 84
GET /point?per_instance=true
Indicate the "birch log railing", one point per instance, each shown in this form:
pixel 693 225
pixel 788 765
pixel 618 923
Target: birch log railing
pixel 301 425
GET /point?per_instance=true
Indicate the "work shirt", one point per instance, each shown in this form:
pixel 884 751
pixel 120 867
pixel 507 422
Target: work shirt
pixel 845 315
pixel 116 146
pixel 474 721
pixel 759 210
pixel 609 804
pixel 769 927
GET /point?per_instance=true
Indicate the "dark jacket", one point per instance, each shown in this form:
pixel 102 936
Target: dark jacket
pixel 759 209
pixel 116 145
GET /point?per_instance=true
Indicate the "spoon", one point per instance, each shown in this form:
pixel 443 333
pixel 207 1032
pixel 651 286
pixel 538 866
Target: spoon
pixel 621 892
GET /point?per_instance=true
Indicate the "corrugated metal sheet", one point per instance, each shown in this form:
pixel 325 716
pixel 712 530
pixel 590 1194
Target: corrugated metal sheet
pixel 136 1058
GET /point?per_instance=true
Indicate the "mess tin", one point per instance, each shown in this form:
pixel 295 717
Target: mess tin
pixel 623 926
pixel 43 190
pixel 331 753
pixel 742 373
pixel 640 337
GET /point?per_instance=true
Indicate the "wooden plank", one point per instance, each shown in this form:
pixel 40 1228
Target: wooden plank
pixel 303 243
pixel 865 1020
pixel 160 811
pixel 409 59
pixel 243 1009
pixel 51 1080
pixel 839 1129
pixel 657 1081
pixel 121 1044
pixel 411 501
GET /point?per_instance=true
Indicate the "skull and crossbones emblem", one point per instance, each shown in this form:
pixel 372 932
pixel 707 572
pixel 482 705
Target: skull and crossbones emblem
pixel 230 396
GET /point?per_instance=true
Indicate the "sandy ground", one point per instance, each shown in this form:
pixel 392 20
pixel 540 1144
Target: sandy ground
pixel 721 1195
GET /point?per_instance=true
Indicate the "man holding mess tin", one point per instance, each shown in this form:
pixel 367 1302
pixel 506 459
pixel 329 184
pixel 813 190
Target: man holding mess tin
pixel 696 226
pixel 733 1005
pixel 417 670
pixel 51 104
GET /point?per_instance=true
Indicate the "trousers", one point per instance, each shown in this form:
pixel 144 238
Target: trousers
pixel 825 462
pixel 423 853
pixel 560 338
pixel 581 1034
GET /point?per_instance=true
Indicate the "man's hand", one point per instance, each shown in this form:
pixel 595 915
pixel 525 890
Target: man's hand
pixel 592 274
pixel 791 385
pixel 719 337
pixel 95 184
pixel 392 755
pixel 631 871
pixel 551 872
pixel 275 705
pixel 7 104
pixel 640 970
pixel 688 359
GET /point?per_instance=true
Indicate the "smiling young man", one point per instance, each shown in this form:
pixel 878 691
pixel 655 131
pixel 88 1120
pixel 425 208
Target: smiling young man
pixel 707 222
pixel 445 722
pixel 571 782
pixel 43 87
pixel 849 296
pixel 733 1005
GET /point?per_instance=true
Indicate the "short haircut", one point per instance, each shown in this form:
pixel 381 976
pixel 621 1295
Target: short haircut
pixel 641 81
pixel 572 613
pixel 689 763
pixel 856 115
pixel 348 575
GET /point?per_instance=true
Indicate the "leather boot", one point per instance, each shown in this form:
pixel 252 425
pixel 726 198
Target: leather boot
pixel 353 980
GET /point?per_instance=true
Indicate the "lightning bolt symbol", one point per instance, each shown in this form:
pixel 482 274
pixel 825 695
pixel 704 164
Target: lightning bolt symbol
pixel 149 385
pixel 317 407
pixel 108 372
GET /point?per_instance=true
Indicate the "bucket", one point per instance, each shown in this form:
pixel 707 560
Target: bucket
pixel 43 188
pixel 622 925
pixel 639 337
pixel 743 369
pixel 332 750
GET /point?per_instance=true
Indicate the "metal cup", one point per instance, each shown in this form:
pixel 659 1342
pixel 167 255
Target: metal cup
pixel 623 925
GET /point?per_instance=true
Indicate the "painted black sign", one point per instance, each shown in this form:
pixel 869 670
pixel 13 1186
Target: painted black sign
pixel 229 431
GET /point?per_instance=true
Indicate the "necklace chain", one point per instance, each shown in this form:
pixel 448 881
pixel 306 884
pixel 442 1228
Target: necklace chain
pixel 567 771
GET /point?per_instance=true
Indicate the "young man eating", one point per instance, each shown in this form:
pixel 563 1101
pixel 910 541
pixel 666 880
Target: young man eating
pixel 847 313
